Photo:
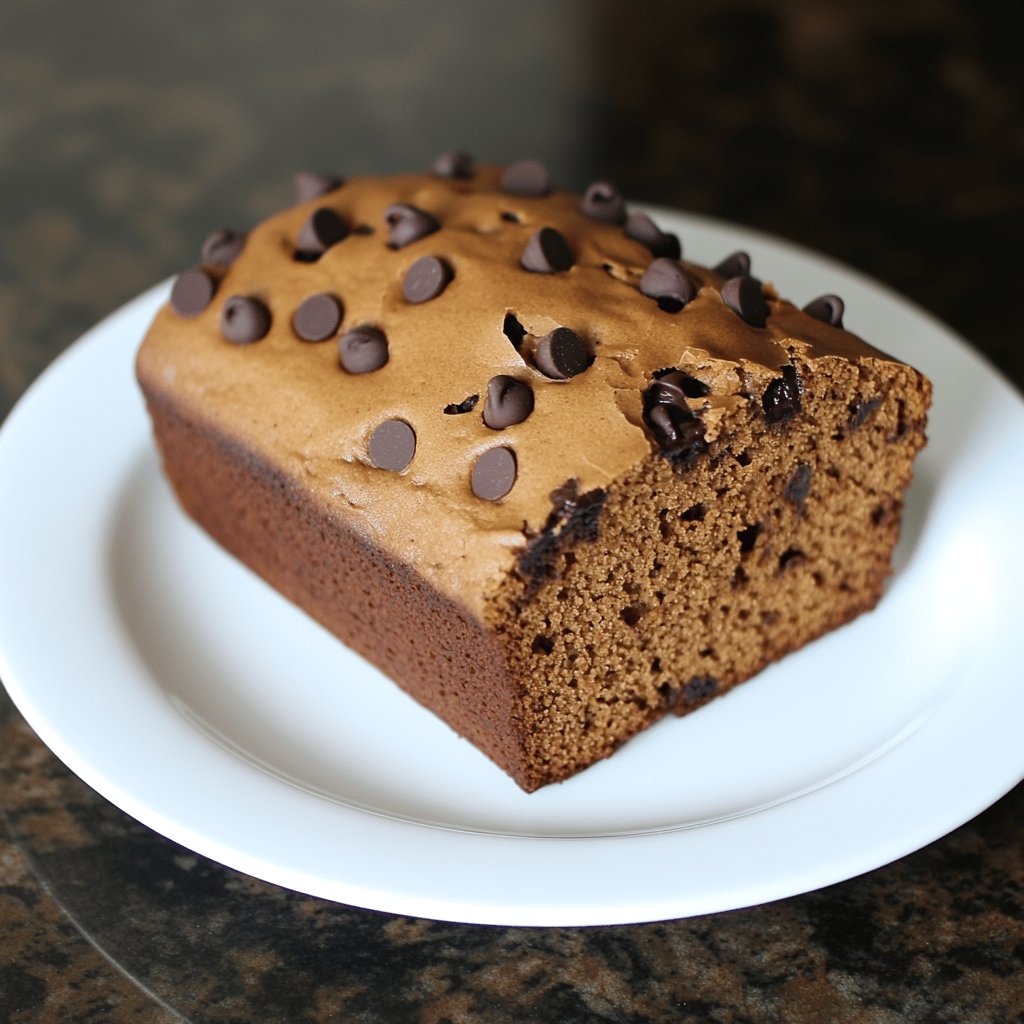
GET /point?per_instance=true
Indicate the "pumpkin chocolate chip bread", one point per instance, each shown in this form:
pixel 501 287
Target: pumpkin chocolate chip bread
pixel 500 439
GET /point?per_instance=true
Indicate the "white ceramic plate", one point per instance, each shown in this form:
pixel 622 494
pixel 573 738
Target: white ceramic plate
pixel 195 698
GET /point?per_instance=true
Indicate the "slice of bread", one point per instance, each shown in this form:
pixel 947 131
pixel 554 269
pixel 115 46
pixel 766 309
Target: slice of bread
pixel 551 479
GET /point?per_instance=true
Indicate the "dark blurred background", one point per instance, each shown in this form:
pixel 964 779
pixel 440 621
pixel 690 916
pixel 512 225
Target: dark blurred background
pixel 889 135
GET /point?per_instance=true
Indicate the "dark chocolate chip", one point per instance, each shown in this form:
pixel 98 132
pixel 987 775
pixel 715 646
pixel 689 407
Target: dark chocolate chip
pixel 510 217
pixel 828 309
pixel 513 330
pixel 574 518
pixel 322 229
pixel 561 354
pixel 407 224
pixel 392 445
pixel 509 401
pixel 736 264
pixel 318 317
pixel 526 178
pixel 564 499
pixel 744 297
pixel 677 431
pixel 690 386
pixel 494 474
pixel 547 252
pixel 454 164
pixel 860 411
pixel 222 247
pixel 577 513
pixel 466 405
pixel 699 688
pixel 665 281
pixel 363 349
pixel 309 185
pixel 192 292
pixel 781 399
pixel 642 229
pixel 426 279
pixel 799 485
pixel 244 319
pixel 682 698
pixel 603 201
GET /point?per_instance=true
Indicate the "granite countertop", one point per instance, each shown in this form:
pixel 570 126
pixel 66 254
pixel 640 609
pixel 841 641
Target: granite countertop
pixel 888 137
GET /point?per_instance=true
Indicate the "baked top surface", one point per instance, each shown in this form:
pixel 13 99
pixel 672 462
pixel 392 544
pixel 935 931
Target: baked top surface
pixel 291 400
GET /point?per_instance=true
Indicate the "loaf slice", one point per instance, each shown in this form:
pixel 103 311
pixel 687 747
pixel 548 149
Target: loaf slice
pixel 553 480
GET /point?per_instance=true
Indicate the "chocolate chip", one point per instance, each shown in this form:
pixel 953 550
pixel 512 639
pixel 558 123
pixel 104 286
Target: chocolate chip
pixel 318 317
pixel 861 410
pixel 466 405
pixel 547 252
pixel 494 474
pixel 677 431
pixel 665 281
pixel 574 519
pixel 744 297
pixel 513 330
pixel 602 201
pixel 580 511
pixel 244 319
pixel 781 399
pixel 509 401
pixel 323 228
pixel 736 264
pixel 363 349
pixel 682 698
pixel 799 485
pixel 426 279
pixel 392 445
pixel 690 386
pixel 192 292
pixel 309 185
pixel 827 308
pixel 526 178
pixel 407 224
pixel 454 164
pixel 561 354
pixel 222 247
pixel 642 229
pixel 699 688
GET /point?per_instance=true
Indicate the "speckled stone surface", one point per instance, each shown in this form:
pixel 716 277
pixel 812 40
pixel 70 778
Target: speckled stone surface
pixel 887 135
